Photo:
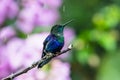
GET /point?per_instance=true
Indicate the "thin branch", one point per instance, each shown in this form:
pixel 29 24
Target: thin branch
pixel 48 56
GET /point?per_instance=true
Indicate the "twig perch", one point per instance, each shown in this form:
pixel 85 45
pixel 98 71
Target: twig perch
pixel 48 56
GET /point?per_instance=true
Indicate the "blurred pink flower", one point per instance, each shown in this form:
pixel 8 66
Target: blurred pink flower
pixel 8 9
pixel 36 40
pixel 29 3
pixel 58 68
pixel 27 17
pixel 2 11
pixel 54 4
pixel 6 33
pixel 47 17
pixel 5 68
pixel 13 49
pixel 25 20
pixel 34 13
pixel 2 54
pixel 12 10
pixel 69 35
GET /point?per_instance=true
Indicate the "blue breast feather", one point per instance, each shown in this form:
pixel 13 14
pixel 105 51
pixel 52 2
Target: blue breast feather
pixel 52 44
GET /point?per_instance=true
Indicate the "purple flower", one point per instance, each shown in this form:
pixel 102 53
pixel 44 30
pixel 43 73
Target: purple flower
pixel 8 9
pixel 27 17
pixel 35 14
pixel 25 20
pixel 2 11
pixel 69 35
pixel 36 40
pixel 12 9
pixel 47 17
pixel 13 49
pixel 54 4
pixel 6 33
pixel 29 3
pixel 58 68
pixel 5 68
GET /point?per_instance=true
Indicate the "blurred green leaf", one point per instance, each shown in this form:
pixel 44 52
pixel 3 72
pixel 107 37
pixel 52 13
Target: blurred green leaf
pixel 108 17
pixel 110 68
pixel 83 56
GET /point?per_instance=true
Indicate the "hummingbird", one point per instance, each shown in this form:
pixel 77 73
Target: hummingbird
pixel 54 41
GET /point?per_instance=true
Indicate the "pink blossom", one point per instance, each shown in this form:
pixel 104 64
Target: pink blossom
pixel 8 9
pixel 12 9
pixel 40 74
pixel 6 33
pixel 25 20
pixel 36 40
pixel 2 11
pixel 29 3
pixel 54 4
pixel 47 17
pixel 13 49
pixel 58 68
pixel 69 35
pixel 5 68
pixel 35 14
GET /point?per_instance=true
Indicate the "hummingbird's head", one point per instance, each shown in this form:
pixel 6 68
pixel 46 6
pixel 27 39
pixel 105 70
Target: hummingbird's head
pixel 58 29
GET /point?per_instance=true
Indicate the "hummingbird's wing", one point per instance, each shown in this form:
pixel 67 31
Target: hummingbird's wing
pixel 46 41
pixel 44 44
pixel 54 45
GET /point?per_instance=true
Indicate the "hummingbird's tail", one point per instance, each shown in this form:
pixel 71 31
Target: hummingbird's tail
pixel 40 65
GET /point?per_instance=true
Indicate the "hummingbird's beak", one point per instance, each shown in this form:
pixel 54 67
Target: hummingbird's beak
pixel 67 23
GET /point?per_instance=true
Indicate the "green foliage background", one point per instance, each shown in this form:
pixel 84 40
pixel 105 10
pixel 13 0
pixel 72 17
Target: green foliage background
pixel 96 53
